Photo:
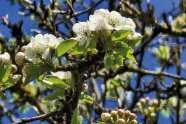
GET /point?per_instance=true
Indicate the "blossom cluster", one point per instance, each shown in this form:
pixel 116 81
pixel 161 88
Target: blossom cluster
pixel 120 116
pixel 40 46
pixel 104 21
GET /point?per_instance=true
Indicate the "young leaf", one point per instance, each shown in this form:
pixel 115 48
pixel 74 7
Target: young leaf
pixel 119 35
pixel 86 98
pixel 53 96
pixel 65 46
pixel 1 72
pixel 134 43
pixel 56 81
pixel 7 72
pixel 76 118
pixel 31 72
pixel 108 61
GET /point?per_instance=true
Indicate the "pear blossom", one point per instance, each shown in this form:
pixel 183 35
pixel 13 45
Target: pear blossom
pixel 62 74
pixel 99 20
pixel 82 31
pixel 5 58
pixel 53 42
pixel 105 20
pixel 40 46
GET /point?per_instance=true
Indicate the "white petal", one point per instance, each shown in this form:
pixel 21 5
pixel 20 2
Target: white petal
pixel 62 74
pixel 5 58
pixel 81 28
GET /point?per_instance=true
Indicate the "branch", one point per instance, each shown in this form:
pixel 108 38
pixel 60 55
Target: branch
pixel 40 117
pixel 148 72
pixel 82 12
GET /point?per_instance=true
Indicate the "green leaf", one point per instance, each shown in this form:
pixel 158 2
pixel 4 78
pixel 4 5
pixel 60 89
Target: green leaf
pixel 115 82
pixel 131 57
pixel 54 83
pixel 108 61
pixel 7 72
pixel 53 96
pixel 118 59
pixel 120 35
pixel 32 71
pixel 78 50
pixel 86 98
pixel 65 46
pixel 76 118
pixel 134 43
pixel 88 46
pixel 1 72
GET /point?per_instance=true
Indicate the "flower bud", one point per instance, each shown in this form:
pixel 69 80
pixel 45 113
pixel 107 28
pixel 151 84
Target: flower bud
pixel 143 101
pixel 85 87
pixel 14 68
pixel 23 49
pixel 151 109
pixel 106 33
pixel 105 117
pixel 145 112
pixel 126 114
pixel 19 58
pixel 155 102
pixel 147 99
pixel 5 58
pixel 114 114
pixel 120 121
pixel 134 122
pixel 132 116
pixel 120 112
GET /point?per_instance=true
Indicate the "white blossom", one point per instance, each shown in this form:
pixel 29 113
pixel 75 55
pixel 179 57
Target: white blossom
pixel 99 20
pixel 62 74
pixel 53 42
pixel 105 20
pixel 40 46
pixel 5 58
pixel 83 32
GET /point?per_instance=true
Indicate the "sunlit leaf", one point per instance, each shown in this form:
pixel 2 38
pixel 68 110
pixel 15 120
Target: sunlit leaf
pixel 65 46
pixel 86 98
pixel 119 35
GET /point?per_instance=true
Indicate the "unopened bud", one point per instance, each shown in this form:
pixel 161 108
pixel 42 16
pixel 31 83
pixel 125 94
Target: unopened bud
pixel 4 20
pixel 105 117
pixel 134 122
pixel 106 33
pixel 85 87
pixel 151 109
pixel 121 121
pixel 155 102
pixel 147 99
pixel 14 68
pixel 126 114
pixel 120 112
pixel 114 114
pixel 19 58
pixel 143 101
pixel 5 58
pixel 132 116
pixel 23 49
